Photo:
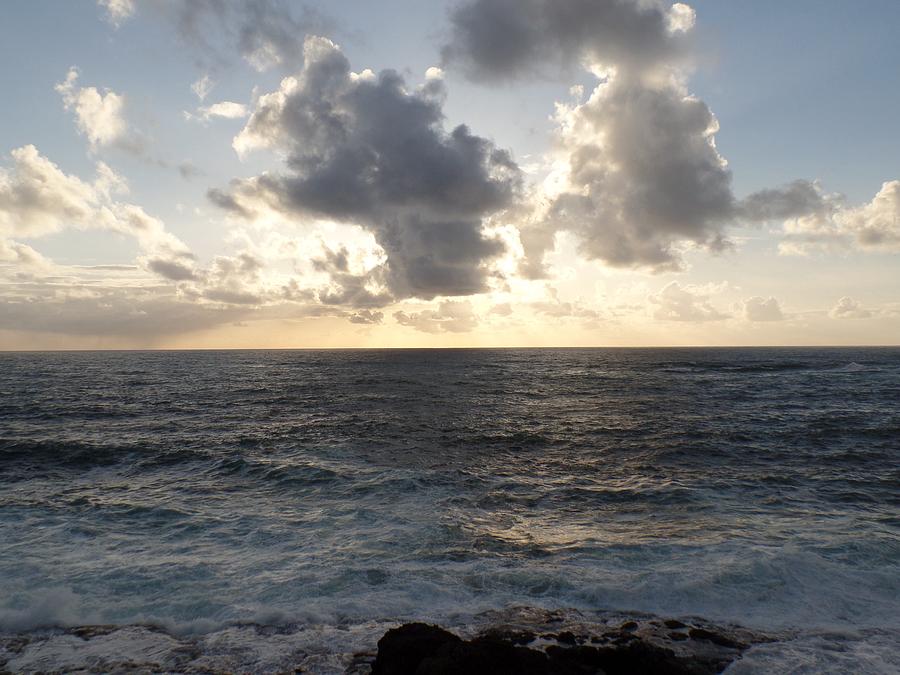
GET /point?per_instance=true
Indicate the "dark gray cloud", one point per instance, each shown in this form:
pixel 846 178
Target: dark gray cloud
pixel 506 39
pixel 176 268
pixel 797 198
pixel 365 149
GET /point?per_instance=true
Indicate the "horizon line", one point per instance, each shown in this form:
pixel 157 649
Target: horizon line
pixel 444 348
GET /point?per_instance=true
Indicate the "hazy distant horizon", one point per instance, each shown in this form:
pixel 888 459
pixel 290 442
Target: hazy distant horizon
pixel 440 348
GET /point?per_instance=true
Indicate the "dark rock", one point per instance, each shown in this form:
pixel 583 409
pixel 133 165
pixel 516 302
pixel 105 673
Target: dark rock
pixel 401 650
pixel 516 637
pixel 484 656
pixel 88 632
pixel 629 626
pixel 420 649
pixel 715 638
pixel 636 657
pixel 625 639
pixel 566 638
pixel 674 623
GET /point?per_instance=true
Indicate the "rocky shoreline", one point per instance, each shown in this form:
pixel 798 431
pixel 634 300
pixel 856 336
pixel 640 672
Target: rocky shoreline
pixel 517 641
pixel 663 646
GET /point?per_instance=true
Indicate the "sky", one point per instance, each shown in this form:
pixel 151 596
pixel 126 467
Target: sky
pixel 275 174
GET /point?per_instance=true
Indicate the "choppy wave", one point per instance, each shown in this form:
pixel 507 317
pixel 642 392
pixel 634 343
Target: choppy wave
pixel 349 490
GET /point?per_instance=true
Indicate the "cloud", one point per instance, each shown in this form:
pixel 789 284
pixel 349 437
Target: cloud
pixel 364 149
pixel 173 270
pixel 848 308
pixel 224 109
pixel 506 39
pixel 189 170
pixel 822 221
pixel 357 289
pixel 37 199
pixel 558 309
pixel 22 256
pixel 800 198
pixel 762 309
pixel 266 33
pixel 636 175
pixel 366 317
pixel 234 280
pixel 640 176
pixel 678 303
pixel 876 225
pixel 202 87
pixel 137 312
pixel 117 11
pixel 98 115
pixel 450 317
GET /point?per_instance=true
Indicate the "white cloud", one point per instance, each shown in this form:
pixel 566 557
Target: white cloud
pixel 683 303
pixel 826 223
pixel 37 199
pixel 22 256
pixel 848 308
pixel 762 309
pixel 224 109
pixel 117 11
pixel 450 317
pixel 202 87
pixel 98 115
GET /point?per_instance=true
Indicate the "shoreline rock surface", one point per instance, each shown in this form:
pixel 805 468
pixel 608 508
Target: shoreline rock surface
pixel 651 646
pixel 514 641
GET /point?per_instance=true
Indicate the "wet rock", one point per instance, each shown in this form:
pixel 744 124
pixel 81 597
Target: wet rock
pixel 419 649
pixel 715 638
pixel 88 632
pixel 636 657
pixel 566 638
pixel 401 650
pixel 487 656
pixel 516 637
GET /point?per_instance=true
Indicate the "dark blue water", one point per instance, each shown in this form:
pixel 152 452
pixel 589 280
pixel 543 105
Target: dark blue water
pixel 195 489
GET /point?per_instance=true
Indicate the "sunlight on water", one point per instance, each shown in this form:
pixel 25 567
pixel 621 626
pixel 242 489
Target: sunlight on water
pixel 346 488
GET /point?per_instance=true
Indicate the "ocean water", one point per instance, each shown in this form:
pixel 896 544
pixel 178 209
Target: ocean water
pixel 338 492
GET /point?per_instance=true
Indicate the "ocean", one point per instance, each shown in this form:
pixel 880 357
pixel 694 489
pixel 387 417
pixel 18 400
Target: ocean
pixel 286 507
